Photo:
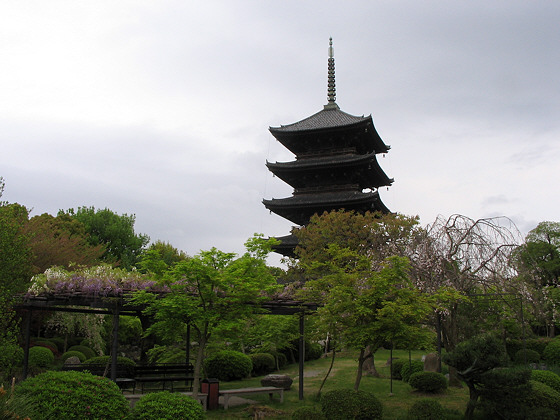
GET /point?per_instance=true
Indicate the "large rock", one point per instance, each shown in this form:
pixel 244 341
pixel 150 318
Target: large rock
pixel 431 362
pixel 279 381
pixel 72 360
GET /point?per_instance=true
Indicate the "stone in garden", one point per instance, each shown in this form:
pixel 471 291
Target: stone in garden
pixel 279 381
pixel 431 362
pixel 73 360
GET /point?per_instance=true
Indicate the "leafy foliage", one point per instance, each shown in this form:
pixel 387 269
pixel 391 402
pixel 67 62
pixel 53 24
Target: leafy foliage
pixel 307 413
pixel 11 356
pixel 167 406
pixel 86 351
pixel 16 406
pixel 428 381
pixel 74 353
pixel 228 365
pixel 426 409
pixel 397 367
pixel 115 232
pixel 410 367
pixel 527 356
pixel 159 258
pixel 41 357
pixel 124 362
pixel 552 352
pixel 263 363
pixel 349 404
pixel 543 396
pixel 546 377
pixel 74 395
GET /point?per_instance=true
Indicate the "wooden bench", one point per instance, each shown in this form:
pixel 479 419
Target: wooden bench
pixel 165 374
pixel 227 393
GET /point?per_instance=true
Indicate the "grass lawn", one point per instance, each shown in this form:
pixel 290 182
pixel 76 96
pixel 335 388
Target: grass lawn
pixel 343 375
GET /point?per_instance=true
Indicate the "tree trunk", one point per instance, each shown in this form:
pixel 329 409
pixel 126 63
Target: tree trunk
pixel 369 363
pixel 198 364
pixel 450 338
pixel 328 372
pixel 471 405
pixel 361 359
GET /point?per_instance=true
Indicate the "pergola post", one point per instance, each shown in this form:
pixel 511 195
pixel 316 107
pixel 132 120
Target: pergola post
pixel 115 344
pixel 27 343
pixel 301 353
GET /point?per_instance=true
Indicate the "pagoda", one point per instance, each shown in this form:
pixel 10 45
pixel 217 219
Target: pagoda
pixel 335 165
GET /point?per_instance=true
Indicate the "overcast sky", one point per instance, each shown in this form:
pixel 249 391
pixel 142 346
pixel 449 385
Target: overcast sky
pixel 161 108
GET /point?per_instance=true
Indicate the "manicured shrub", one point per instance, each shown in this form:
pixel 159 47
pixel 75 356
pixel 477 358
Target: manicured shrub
pixel 228 365
pixel 530 356
pixel 426 409
pixel 263 363
pixel 397 367
pixel 40 357
pixel 48 344
pixel 125 364
pixel 74 353
pixel 410 368
pixel 281 360
pixel 536 344
pixel 552 353
pixel 74 395
pixel 166 354
pixel 167 406
pixel 11 357
pixel 542 396
pixel 59 341
pixel 88 352
pixel 428 381
pixel 348 404
pixel 313 351
pixel 546 377
pixel 307 413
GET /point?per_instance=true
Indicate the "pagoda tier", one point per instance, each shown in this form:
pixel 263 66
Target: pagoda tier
pixel 335 166
pixel 361 170
pixel 330 131
pixel 300 207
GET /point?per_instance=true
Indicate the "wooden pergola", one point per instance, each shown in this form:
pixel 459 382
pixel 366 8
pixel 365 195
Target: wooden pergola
pixel 117 305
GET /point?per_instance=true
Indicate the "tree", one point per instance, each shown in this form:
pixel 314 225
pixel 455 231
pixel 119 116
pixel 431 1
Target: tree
pixel 365 294
pixel 15 261
pixel 116 233
pixel 60 241
pixel 477 362
pixel 209 290
pixel 159 258
pixel 538 263
pixel 467 256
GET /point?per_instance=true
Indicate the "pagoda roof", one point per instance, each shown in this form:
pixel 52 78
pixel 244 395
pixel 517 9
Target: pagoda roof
pixel 329 117
pixel 367 170
pixel 300 207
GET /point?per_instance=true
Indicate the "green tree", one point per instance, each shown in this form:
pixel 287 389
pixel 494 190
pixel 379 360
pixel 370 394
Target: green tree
pixel 115 232
pixel 159 257
pixel 210 290
pixel 60 241
pixel 478 362
pixel 15 261
pixel 366 295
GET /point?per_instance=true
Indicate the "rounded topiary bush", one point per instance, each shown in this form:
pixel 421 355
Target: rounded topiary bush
pixel 411 367
pixel 547 377
pixel 426 409
pixel 48 344
pixel 167 406
pixel 59 341
pixel 263 363
pixel 88 352
pixel 397 367
pixel 551 353
pixel 527 355
pixel 348 404
pixel 543 396
pixel 307 413
pixel 281 359
pixel 74 395
pixel 74 353
pixel 40 357
pixel 228 365
pixel 428 381
pixel 126 365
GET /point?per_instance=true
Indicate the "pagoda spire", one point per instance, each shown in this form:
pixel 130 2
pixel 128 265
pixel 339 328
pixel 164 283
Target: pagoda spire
pixel 331 85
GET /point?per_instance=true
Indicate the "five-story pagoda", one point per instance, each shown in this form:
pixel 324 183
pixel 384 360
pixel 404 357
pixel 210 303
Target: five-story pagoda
pixel 335 167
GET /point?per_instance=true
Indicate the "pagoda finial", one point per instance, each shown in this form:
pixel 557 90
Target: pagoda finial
pixel 331 87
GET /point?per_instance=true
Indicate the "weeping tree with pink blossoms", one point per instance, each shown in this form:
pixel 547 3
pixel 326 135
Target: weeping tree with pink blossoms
pixel 468 256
